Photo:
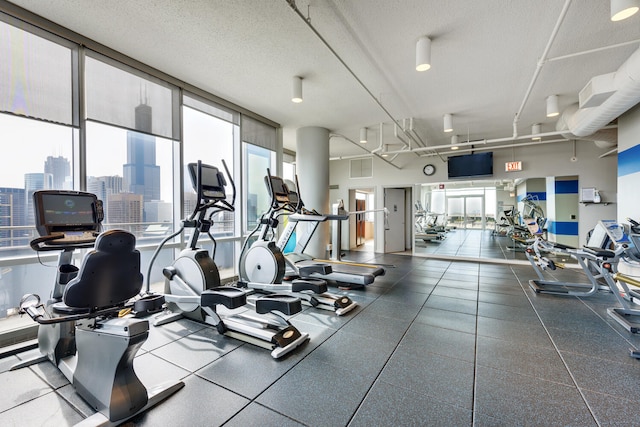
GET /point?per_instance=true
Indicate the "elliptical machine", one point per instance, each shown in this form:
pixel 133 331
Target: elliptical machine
pixel 263 265
pixel 192 283
pixel 81 330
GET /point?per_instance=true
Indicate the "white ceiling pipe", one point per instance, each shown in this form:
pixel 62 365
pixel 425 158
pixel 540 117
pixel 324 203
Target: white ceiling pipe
pixel 380 138
pixel 395 133
pixel 413 131
pixel 484 142
pixel 541 62
pixel 497 147
pixel 585 122
pixel 362 147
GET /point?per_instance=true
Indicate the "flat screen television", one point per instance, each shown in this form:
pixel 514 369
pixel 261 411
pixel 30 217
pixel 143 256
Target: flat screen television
pixel 470 165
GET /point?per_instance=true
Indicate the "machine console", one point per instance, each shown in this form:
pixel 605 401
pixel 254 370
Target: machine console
pixel 70 217
pixel 279 188
pixel 212 181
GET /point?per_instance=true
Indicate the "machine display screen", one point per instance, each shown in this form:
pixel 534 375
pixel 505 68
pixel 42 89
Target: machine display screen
pixel 60 211
pixel 279 187
pixel 211 180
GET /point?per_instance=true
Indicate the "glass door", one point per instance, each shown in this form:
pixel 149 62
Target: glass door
pixel 466 212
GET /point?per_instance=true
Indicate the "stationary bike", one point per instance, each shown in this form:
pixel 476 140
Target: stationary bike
pixel 263 265
pixel 192 282
pixel 81 331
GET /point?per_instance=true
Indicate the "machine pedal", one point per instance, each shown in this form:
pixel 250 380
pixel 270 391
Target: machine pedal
pixel 319 268
pixel 283 303
pixel 228 296
pixel 317 286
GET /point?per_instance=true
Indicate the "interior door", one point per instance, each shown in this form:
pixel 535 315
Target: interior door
pixel 394 201
pixel 360 226
pixel 474 212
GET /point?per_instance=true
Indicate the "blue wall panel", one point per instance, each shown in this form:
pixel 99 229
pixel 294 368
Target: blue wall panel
pixel 563 227
pixel 567 187
pixel 629 161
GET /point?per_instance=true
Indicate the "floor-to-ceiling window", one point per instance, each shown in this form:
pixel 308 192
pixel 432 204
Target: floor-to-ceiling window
pixel 258 154
pixel 210 134
pixel 77 119
pixel 39 136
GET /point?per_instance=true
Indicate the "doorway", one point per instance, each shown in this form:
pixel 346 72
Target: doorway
pixel 466 212
pixel 361 225
pixel 394 234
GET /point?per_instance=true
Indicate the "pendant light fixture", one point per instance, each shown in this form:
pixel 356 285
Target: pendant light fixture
pixel 448 123
pixel 552 106
pixel 454 142
pixel 622 9
pixel 363 135
pixel 297 90
pixel 535 130
pixel 423 54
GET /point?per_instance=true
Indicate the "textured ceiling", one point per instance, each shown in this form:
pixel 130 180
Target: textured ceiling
pixel 484 55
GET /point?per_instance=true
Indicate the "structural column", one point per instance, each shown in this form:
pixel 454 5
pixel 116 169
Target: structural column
pixel 312 166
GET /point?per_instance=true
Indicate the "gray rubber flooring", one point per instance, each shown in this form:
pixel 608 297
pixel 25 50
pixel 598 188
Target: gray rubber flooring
pixel 432 343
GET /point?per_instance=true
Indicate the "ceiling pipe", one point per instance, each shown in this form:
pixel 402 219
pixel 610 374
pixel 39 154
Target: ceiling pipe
pixel 626 82
pixel 541 62
pixel 598 49
pixel 357 144
pixel 496 147
pixel 380 138
pixel 608 153
pixel 447 147
pixel 292 4
pixel 405 144
pixel 354 156
pixel 413 131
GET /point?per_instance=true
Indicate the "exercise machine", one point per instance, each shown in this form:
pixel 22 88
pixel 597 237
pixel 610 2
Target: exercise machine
pixel 348 275
pixel 426 225
pixel 192 283
pixel 626 287
pixel 263 266
pixel 590 258
pixel 81 327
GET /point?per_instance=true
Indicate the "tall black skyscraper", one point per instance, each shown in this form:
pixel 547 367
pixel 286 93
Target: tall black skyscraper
pixel 141 175
pixel 60 170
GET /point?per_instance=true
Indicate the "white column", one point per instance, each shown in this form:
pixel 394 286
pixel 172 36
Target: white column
pixel 312 166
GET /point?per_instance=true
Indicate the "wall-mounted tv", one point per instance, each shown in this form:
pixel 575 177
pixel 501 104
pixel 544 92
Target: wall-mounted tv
pixel 470 165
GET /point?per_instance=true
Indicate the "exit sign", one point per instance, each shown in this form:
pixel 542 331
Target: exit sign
pixel 512 166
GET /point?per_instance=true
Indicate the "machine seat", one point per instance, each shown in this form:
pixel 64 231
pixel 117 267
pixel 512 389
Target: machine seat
pixel 109 276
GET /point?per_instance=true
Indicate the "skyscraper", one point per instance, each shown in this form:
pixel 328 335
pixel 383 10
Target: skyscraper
pixel 12 214
pixel 141 175
pixel 60 170
pixel 32 183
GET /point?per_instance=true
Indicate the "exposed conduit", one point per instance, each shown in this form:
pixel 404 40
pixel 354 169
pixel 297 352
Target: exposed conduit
pixel 337 135
pixel 292 4
pixel 541 62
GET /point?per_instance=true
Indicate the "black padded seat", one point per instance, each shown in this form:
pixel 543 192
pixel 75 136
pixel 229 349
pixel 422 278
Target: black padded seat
pixel 109 275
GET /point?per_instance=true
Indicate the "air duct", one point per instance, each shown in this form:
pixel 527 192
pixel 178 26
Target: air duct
pixel 603 138
pixel 626 83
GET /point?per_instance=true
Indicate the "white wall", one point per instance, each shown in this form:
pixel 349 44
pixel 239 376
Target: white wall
pixel 538 161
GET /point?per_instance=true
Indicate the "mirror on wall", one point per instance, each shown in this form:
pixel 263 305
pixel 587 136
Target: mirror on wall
pixel 488 218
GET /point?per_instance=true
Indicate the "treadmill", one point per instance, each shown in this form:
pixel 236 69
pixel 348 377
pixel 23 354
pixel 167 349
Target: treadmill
pixel 346 274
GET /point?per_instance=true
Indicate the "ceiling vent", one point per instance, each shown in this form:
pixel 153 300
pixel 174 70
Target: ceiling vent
pixel 598 90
